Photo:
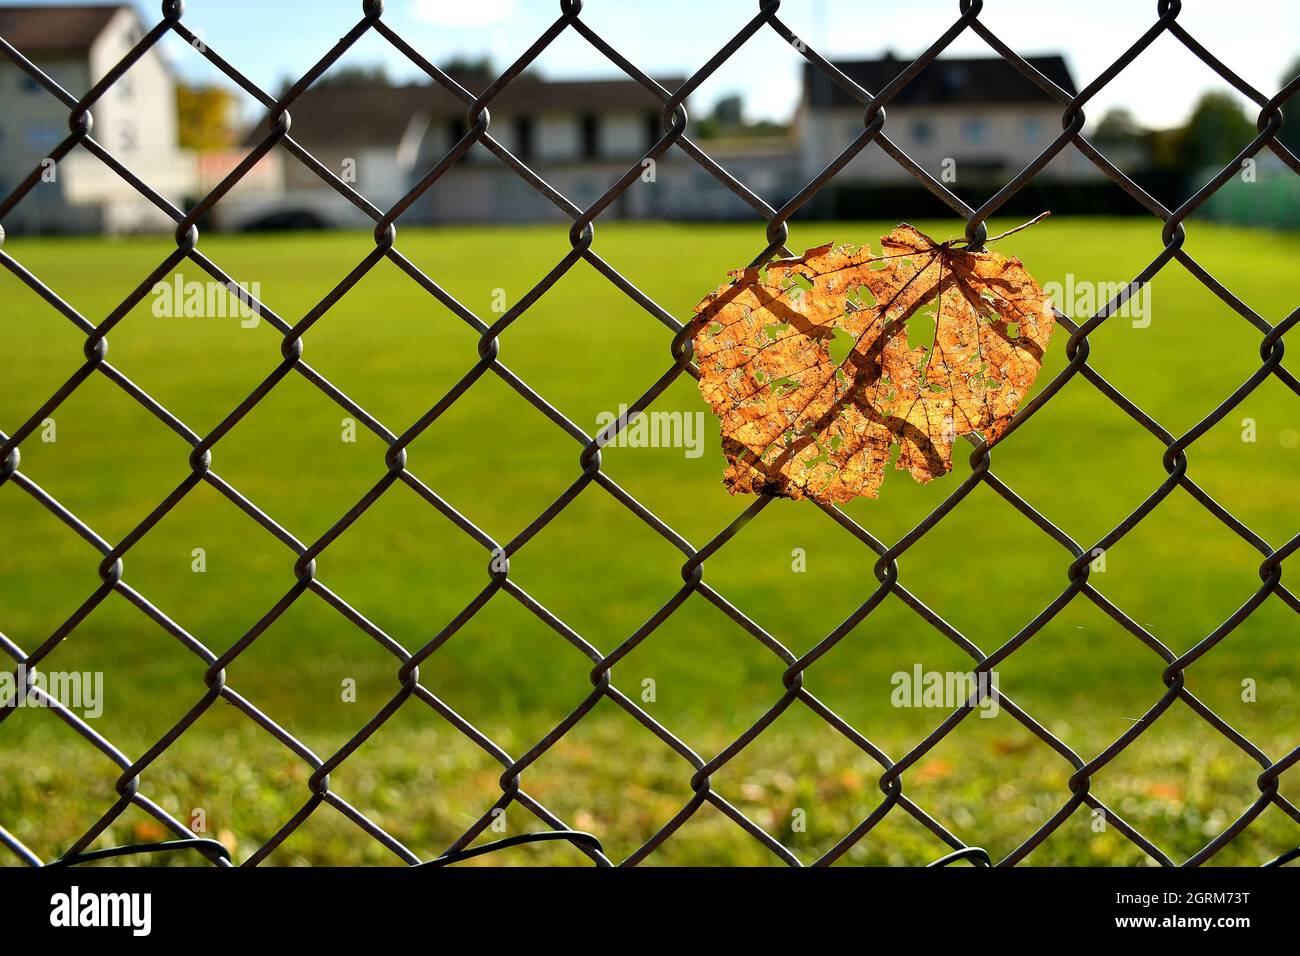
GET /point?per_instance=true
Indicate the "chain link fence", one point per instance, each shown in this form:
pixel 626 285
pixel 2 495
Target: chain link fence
pixel 132 784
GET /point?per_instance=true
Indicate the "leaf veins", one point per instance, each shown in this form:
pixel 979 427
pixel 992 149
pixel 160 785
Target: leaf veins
pixel 807 362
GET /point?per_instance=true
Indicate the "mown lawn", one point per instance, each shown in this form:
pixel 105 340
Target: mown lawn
pixel 588 348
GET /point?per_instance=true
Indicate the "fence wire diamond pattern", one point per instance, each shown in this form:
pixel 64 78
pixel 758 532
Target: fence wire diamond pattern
pixel 131 783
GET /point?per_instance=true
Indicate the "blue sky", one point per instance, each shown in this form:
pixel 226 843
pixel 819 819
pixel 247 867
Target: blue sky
pixel 274 39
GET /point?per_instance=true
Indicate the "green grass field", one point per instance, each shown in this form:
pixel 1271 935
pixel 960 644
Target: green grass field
pixel 587 348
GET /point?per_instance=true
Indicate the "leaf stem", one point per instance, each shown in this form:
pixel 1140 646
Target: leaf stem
pixel 1024 225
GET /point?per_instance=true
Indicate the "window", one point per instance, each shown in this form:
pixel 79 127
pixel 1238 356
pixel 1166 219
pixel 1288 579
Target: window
pixel 30 85
pixel 590 131
pixel 955 77
pixel 653 129
pixel 922 131
pixel 975 130
pixel 1033 128
pixel 456 130
pixel 43 137
pixel 524 138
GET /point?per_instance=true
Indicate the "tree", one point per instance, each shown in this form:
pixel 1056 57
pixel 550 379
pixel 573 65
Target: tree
pixel 357 75
pixel 729 110
pixel 1216 132
pixel 728 120
pixel 473 70
pixel 1289 134
pixel 205 117
pixel 1117 128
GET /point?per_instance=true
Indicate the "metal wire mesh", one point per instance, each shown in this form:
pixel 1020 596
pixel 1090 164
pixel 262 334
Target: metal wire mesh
pixel 793 691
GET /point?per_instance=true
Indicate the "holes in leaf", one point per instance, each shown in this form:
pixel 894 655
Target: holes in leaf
pixel 921 325
pixel 840 345
pixel 784 386
pixel 859 300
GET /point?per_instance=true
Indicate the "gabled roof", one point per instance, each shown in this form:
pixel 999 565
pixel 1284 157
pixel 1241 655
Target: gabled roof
pixel 532 95
pixel 969 80
pixel 44 30
pixel 348 115
pixel 377 114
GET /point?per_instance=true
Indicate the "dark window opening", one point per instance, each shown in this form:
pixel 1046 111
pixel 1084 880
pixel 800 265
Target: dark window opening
pixel 524 138
pixel 590 136
pixel 456 130
pixel 653 130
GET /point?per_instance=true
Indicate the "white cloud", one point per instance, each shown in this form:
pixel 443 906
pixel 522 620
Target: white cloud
pixel 462 14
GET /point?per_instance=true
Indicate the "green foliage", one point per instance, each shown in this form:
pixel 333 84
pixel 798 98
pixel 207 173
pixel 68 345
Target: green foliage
pixel 205 117
pixel 1290 132
pixel 1216 132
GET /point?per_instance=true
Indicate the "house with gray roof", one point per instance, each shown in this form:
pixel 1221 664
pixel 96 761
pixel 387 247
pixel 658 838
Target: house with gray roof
pixel 965 120
pixel 579 135
pixel 972 121
pixel 135 120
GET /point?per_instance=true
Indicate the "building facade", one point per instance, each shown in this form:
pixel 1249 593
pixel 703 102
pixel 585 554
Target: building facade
pixel 135 120
pixel 969 122
pixel 580 136
pixel 966 121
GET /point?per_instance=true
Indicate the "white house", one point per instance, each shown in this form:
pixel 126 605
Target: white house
pixel 579 135
pixel 977 119
pixel 135 121
pixel 969 122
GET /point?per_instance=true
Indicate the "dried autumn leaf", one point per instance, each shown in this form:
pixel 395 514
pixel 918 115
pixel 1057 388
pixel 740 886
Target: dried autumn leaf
pixel 807 362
